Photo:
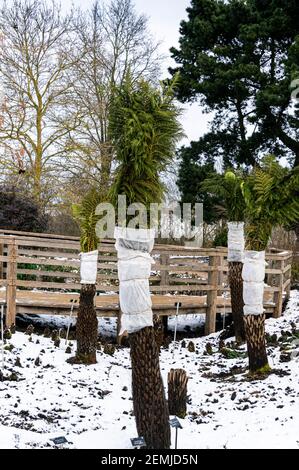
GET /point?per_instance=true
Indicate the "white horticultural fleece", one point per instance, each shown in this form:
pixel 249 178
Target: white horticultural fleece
pixel 89 267
pixel 235 242
pixel 134 268
pixel 253 282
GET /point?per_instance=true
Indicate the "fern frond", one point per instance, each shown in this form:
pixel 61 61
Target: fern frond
pixel 85 213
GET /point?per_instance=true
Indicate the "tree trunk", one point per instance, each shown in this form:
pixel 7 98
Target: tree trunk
pixel 177 392
pixel 296 254
pixel 159 330
pixel 237 303
pixel 165 324
pixel 87 326
pixel 256 344
pixel 150 405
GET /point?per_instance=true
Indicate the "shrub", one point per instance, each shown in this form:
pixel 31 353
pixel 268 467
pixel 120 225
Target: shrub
pixel 18 211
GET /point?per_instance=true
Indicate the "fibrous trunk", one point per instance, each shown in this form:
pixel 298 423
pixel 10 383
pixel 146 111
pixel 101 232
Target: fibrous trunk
pixel 256 343
pixel 87 326
pixel 150 405
pixel 177 392
pixel 159 330
pixel 237 303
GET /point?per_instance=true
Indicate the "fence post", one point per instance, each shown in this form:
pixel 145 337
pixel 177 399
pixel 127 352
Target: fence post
pixel 1 254
pixel 288 278
pixel 221 272
pixel 278 296
pixel 11 292
pixel 164 260
pixel 118 327
pixel 210 323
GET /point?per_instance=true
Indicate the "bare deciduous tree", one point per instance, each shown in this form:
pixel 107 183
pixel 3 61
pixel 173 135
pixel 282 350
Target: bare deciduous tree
pixel 34 63
pixel 115 40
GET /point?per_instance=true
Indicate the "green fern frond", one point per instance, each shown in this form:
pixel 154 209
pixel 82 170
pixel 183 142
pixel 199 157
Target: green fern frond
pixel 229 188
pixel 145 128
pixel 87 218
pixel 271 197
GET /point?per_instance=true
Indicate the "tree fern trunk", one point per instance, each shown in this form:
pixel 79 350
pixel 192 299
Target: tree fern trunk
pixel 256 344
pixel 159 330
pixel 150 405
pixel 237 304
pixel 177 392
pixel 87 326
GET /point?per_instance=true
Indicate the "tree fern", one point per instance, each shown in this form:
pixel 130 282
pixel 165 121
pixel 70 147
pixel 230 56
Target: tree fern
pixel 85 214
pixel 145 129
pixel 229 188
pixel 271 197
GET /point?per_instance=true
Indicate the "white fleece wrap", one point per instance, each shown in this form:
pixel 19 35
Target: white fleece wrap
pixel 134 268
pixel 235 242
pixel 89 267
pixel 253 282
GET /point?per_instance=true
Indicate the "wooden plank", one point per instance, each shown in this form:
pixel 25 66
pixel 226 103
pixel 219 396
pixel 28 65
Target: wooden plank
pixel 42 243
pixel 65 275
pixel 179 280
pixel 191 261
pixel 187 251
pixel 108 287
pixel 184 269
pixel 60 274
pixel 203 287
pixel 287 268
pixel 57 262
pixel 61 285
pixel 47 261
pixel 50 254
pixel 62 254
pixel 39 235
pixel 36 272
pixel 277 257
pixel 287 283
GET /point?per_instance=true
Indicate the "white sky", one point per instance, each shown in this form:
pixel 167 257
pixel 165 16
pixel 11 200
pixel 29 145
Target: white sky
pixel 164 21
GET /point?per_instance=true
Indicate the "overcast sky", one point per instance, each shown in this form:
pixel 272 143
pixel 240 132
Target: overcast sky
pixel 164 18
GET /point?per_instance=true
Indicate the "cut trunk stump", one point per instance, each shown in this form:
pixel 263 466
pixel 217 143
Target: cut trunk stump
pixel 177 392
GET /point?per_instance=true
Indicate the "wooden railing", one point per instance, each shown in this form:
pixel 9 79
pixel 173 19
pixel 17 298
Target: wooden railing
pixel 51 263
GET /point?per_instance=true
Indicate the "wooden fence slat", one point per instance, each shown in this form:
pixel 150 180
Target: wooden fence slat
pixel 47 261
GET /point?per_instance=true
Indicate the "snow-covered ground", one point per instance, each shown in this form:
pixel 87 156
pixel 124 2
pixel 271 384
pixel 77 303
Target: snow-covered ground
pixel 92 406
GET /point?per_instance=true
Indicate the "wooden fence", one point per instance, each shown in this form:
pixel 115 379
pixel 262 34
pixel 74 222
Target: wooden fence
pixel 39 273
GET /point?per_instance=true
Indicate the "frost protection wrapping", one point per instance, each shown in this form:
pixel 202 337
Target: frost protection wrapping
pixel 235 241
pixel 253 286
pixel 89 267
pixel 134 267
